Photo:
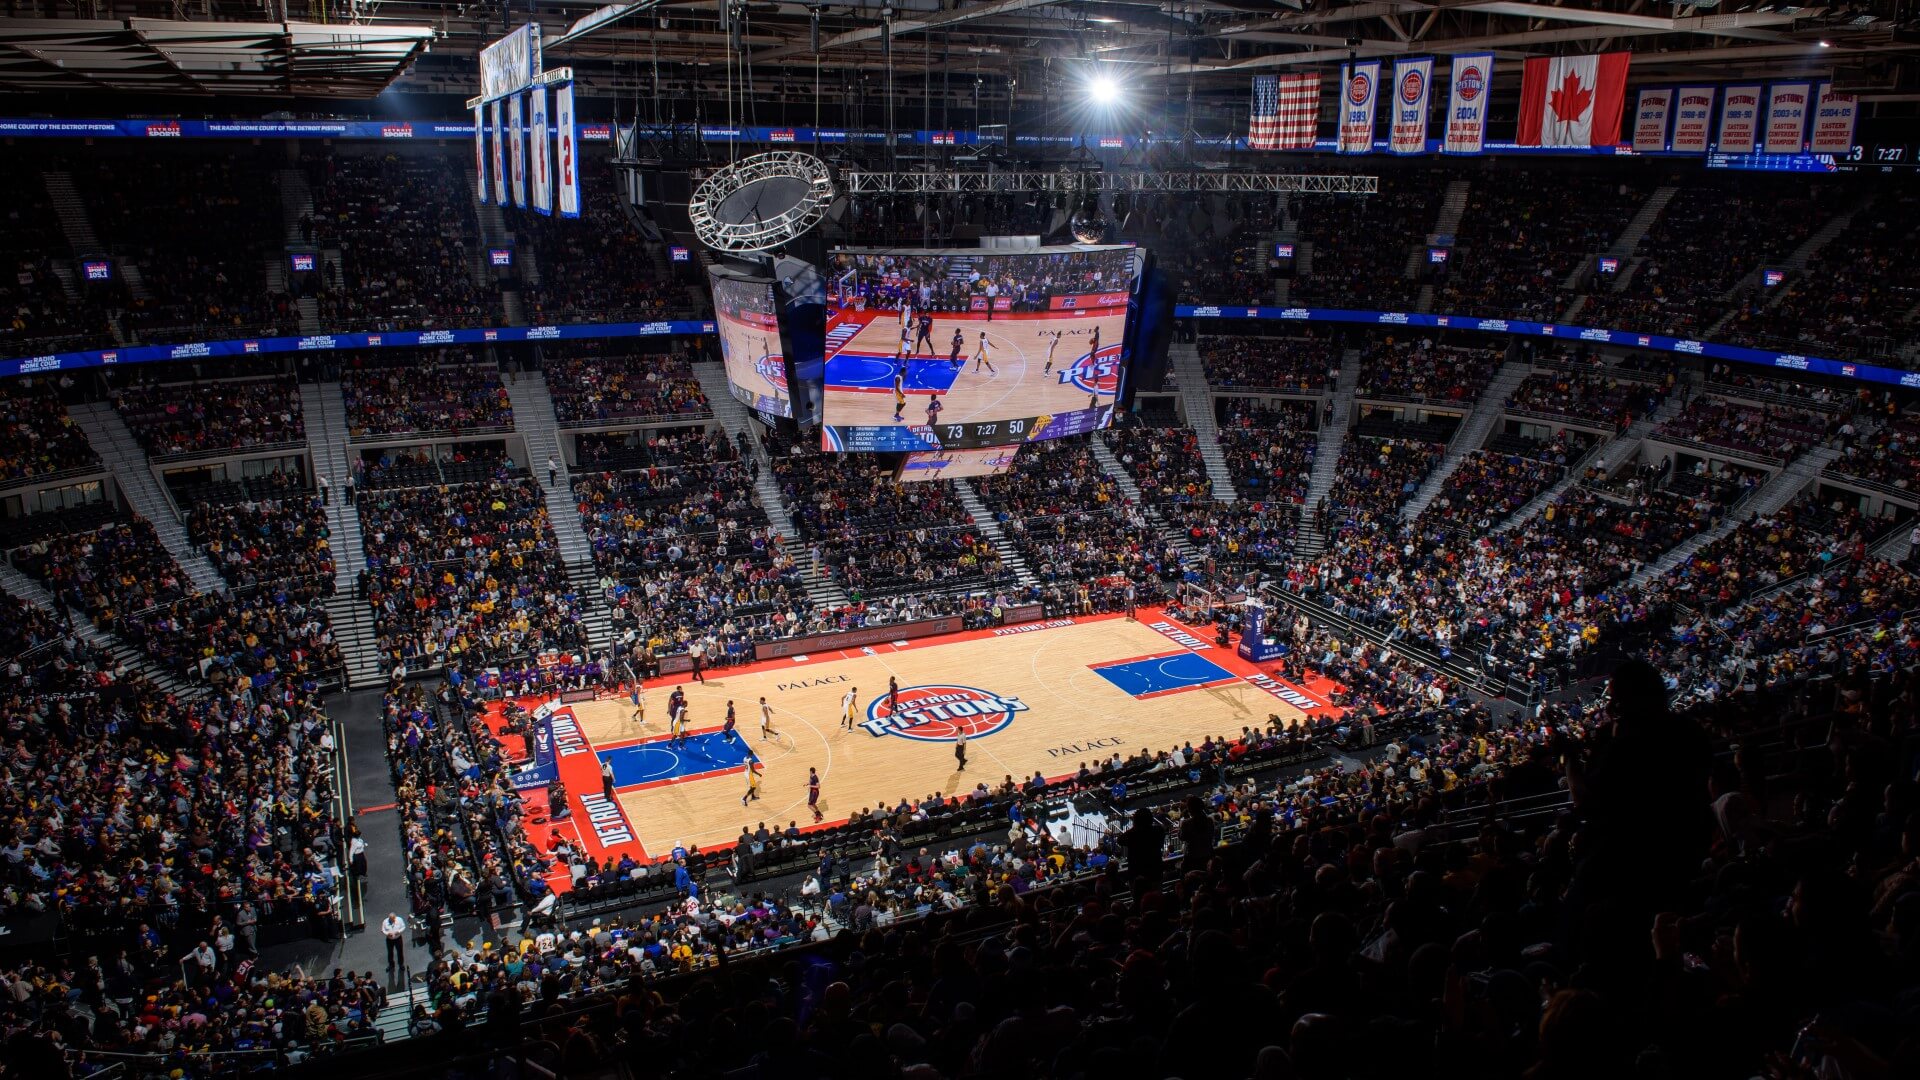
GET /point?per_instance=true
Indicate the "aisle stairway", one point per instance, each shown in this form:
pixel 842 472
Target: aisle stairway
pixel 989 527
pixel 1796 263
pixel 71 209
pixel 735 421
pixel 127 462
pixel 1778 491
pixel 1453 207
pixel 1197 398
pixel 327 448
pixel 1326 454
pixel 27 589
pixel 1471 435
pixel 533 418
pixel 1642 221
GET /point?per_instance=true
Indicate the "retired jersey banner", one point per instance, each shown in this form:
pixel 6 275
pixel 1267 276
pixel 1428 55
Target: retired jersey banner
pixel 1692 119
pixel 1359 90
pixel 1466 130
pixel 499 158
pixel 568 164
pixel 516 151
pixel 1573 100
pixel 480 152
pixel 1833 119
pixel 1650 120
pixel 1412 81
pixel 1739 120
pixel 541 165
pixel 1786 130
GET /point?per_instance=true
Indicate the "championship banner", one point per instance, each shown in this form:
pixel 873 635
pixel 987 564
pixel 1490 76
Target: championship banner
pixel 569 147
pixel 1412 83
pixel 1466 131
pixel 1692 119
pixel 499 159
pixel 1787 117
pixel 542 164
pixel 516 151
pixel 1833 120
pixel 1650 120
pixel 1359 89
pixel 1739 120
pixel 480 152
pixel 1573 100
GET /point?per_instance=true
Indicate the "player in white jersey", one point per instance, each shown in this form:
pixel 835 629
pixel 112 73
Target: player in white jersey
pixel 847 702
pixel 980 355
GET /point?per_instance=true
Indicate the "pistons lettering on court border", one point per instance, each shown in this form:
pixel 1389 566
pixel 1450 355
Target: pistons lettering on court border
pixel 941 712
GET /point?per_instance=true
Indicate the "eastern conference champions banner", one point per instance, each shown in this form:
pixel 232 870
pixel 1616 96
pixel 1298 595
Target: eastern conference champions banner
pixel 542 152
pixel 1692 119
pixel 569 151
pixel 1359 89
pixel 1833 120
pixel 1739 120
pixel 1787 117
pixel 1650 120
pixel 1466 130
pixel 1412 80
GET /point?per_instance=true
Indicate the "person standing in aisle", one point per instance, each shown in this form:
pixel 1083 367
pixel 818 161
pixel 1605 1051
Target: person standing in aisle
pixel 394 929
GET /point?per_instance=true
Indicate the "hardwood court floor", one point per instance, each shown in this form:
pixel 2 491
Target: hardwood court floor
pixel 1034 696
pixel 860 374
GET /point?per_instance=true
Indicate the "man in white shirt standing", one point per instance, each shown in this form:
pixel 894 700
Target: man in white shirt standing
pixel 395 929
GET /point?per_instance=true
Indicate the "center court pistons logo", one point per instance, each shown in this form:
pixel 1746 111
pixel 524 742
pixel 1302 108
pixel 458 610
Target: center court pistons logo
pixel 1471 81
pixel 1359 89
pixel 941 712
pixel 1411 86
pixel 1094 374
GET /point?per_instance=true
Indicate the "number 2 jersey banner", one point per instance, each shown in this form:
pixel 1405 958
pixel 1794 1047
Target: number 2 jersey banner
pixel 1787 117
pixel 1412 79
pixel 1739 120
pixel 1833 118
pixel 569 132
pixel 541 151
pixel 1573 100
pixel 1359 89
pixel 1692 119
pixel 1650 120
pixel 1466 130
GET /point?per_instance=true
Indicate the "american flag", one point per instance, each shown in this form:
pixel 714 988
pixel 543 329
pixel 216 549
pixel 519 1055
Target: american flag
pixel 1286 111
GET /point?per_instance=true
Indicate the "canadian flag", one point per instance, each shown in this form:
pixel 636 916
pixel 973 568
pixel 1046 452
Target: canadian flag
pixel 1573 100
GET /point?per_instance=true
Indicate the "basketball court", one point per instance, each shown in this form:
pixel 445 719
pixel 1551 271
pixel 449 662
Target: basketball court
pixel 1034 371
pixel 1043 696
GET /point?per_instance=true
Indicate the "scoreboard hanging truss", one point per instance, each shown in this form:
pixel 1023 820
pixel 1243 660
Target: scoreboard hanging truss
pixel 954 182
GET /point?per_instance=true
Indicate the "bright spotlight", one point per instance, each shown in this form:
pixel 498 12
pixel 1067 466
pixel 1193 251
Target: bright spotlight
pixel 1103 90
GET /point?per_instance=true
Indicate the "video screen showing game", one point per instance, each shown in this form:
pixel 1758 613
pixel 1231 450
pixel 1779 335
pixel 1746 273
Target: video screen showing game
pixel 960 349
pixel 957 464
pixel 746 316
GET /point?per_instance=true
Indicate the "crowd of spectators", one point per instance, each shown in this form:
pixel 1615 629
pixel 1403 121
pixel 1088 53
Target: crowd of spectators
pixel 466 571
pixel 1165 463
pixel 1360 244
pixel 1423 370
pixel 1488 485
pixel 595 268
pixel 1374 477
pixel 1597 395
pixel 35 314
pixel 255 544
pixel 403 224
pixel 1518 244
pixel 591 389
pixel 427 394
pixel 1295 365
pixel 1073 526
pixel 172 418
pixel 874 536
pixel 1771 431
pixel 37 436
pixel 1269 449
pixel 1889 454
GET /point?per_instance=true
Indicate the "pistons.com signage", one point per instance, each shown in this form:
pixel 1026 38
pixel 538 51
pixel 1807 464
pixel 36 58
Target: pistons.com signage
pixel 940 712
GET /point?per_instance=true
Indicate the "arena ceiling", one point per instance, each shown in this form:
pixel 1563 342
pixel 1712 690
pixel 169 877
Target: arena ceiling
pixel 357 48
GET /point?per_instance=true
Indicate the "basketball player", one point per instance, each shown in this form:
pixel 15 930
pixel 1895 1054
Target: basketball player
pixel 933 410
pixel 678 728
pixel 726 729
pixel 1051 346
pixel 893 695
pixel 847 701
pixel 813 793
pixel 638 695
pixel 980 356
pixel 925 334
pixel 753 782
pixel 766 721
pixel 899 391
pixel 959 344
pixel 1093 352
